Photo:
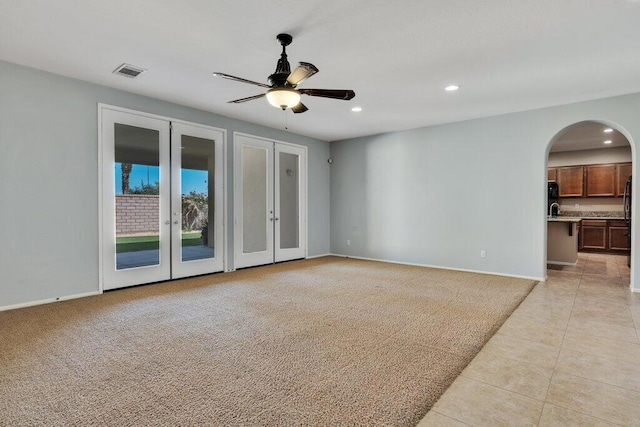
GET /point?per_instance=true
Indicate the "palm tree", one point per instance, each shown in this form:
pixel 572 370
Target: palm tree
pixel 126 170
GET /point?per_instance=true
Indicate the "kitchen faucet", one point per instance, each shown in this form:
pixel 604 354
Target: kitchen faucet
pixel 551 208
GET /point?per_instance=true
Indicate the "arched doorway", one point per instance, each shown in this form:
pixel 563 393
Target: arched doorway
pixel 589 220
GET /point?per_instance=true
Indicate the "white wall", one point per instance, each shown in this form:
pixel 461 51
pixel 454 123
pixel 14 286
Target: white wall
pixel 439 195
pixel 49 180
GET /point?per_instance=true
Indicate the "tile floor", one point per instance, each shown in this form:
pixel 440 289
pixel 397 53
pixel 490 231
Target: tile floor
pixel 569 355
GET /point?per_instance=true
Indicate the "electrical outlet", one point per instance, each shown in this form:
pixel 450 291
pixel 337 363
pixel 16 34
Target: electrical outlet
pixel 348 242
pixel 577 205
pixel 483 254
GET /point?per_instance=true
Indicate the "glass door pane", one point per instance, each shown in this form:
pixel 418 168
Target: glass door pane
pixel 254 200
pixel 135 231
pixel 197 200
pixel 137 196
pixel 253 195
pixel 197 177
pixel 290 200
pixel 289 203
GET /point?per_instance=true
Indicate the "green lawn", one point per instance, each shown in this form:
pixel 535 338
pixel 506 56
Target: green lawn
pixel 141 243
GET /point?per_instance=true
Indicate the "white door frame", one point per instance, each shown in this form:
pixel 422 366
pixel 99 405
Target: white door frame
pixel 273 253
pixel 181 268
pixel 114 278
pixel 242 259
pixel 287 254
pixel 106 217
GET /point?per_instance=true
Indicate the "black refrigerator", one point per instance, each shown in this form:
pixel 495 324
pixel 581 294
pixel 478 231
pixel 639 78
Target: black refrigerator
pixel 626 202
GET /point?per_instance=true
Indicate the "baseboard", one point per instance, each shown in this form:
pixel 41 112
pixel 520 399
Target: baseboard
pixel 563 263
pixel 516 276
pixel 48 301
pixel 317 256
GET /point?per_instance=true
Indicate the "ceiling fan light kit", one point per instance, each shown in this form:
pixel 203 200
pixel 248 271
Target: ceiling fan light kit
pixel 283 92
pixel 283 97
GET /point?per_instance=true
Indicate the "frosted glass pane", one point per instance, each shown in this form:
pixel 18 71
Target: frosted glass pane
pixel 289 202
pixel 254 199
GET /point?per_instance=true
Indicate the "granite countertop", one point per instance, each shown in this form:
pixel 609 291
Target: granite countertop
pixel 564 219
pixel 576 216
pixel 593 214
pixel 603 217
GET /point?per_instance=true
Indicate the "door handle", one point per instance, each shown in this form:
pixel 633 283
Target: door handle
pixel 175 221
pixel 167 222
pixel 276 219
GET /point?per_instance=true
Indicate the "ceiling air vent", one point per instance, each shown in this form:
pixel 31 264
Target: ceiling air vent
pixel 129 70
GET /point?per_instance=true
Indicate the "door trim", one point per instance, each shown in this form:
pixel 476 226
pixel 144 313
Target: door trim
pixel 260 257
pixel 113 278
pixel 103 106
pixel 197 267
pixel 305 194
pixel 286 254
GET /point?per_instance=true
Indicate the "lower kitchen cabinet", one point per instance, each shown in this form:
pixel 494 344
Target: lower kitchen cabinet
pixel 603 235
pixel 593 234
pixel 618 236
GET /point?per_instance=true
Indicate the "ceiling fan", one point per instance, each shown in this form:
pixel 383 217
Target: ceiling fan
pixel 283 92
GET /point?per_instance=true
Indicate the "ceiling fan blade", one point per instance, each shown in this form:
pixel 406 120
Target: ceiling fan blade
pixel 300 108
pixel 329 93
pixel 249 98
pixel 240 79
pixel 301 73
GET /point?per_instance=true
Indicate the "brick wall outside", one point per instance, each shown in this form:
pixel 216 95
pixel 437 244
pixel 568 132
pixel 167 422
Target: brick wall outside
pixel 137 213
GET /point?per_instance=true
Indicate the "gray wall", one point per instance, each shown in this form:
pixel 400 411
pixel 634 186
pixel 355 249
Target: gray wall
pixel 439 195
pixel 49 180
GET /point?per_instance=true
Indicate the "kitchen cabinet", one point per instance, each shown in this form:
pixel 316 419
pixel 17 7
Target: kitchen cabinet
pixel 593 234
pixel 623 172
pixel 571 181
pixel 600 180
pixel 603 235
pixel 552 174
pixel 618 236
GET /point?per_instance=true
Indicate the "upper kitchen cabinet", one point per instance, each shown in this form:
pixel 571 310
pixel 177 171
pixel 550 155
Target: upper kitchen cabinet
pixel 552 174
pixel 623 172
pixel 571 181
pixel 601 180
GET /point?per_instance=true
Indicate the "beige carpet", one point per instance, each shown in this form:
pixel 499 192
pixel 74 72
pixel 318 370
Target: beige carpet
pixel 328 341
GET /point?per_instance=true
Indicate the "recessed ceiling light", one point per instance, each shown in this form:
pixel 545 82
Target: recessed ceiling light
pixel 608 141
pixel 451 88
pixel 608 130
pixel 356 109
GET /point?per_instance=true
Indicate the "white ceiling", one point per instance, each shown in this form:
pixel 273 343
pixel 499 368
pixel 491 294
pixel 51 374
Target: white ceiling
pixel 588 136
pixel 398 56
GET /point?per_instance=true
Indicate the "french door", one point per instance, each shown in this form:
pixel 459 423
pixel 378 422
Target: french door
pixel 270 194
pixel 162 199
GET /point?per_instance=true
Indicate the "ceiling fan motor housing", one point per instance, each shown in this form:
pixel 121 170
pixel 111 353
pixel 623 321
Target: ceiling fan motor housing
pixel 283 69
